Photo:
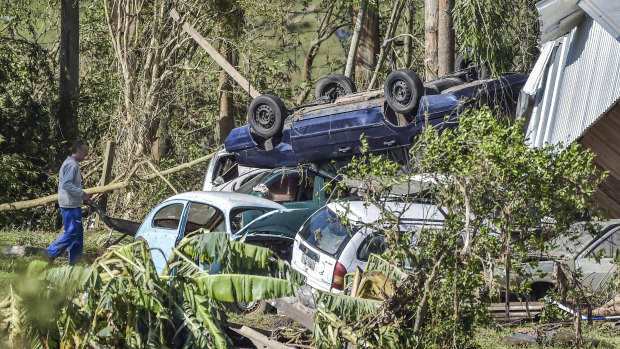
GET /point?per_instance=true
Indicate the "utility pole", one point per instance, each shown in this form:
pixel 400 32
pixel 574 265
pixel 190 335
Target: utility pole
pixel 69 69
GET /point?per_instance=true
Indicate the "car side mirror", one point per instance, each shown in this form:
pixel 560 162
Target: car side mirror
pixel 218 180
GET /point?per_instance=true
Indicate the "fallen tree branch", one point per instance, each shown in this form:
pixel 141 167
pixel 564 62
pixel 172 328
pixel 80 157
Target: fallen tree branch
pixel 20 205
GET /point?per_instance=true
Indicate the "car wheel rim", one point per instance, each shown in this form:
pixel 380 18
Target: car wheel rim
pixel 334 91
pixel 248 307
pixel 401 92
pixel 264 117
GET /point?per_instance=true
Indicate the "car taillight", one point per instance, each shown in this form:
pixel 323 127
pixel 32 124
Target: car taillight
pixel 339 272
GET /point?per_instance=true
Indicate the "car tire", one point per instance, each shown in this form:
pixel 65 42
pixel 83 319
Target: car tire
pixel 250 308
pixel 478 71
pixel 403 89
pixel 266 115
pixel 334 86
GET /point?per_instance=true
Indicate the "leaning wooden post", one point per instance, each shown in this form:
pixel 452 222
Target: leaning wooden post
pixel 217 57
pixel 106 174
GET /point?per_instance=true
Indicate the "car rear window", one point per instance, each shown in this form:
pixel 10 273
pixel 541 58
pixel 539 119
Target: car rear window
pixel 325 231
pixel 248 187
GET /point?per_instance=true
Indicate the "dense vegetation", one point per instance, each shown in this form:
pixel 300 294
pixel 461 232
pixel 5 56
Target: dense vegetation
pixel 148 87
pixel 170 113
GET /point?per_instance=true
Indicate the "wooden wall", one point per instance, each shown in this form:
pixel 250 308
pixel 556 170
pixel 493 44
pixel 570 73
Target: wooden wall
pixel 603 138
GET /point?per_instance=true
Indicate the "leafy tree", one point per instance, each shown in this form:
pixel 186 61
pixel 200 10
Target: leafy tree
pixel 489 31
pixel 500 199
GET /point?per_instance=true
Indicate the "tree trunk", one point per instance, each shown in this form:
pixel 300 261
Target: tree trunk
pixel 326 29
pixel 431 8
pixel 355 39
pixel 69 69
pixel 410 31
pixel 368 49
pixel 158 149
pixel 387 42
pixel 507 276
pixel 445 38
pixel 227 121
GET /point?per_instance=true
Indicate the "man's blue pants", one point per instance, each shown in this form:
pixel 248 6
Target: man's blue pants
pixel 71 239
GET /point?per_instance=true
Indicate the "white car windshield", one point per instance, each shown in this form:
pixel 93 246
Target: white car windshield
pixel 325 231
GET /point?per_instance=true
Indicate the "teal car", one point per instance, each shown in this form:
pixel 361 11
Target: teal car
pixel 243 217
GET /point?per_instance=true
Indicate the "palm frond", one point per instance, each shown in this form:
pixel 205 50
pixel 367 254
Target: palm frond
pixel 376 263
pixel 347 307
pixel 213 251
pixel 72 279
pixel 242 287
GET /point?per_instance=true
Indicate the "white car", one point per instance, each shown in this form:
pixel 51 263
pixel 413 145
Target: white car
pixel 224 174
pixel 578 254
pixel 325 250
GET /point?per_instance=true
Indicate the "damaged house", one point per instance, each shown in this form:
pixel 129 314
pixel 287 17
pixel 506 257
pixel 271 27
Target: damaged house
pixel 573 92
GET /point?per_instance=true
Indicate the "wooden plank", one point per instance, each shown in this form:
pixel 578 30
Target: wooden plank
pixel 259 339
pixel 294 313
pixel 516 306
pixel 219 59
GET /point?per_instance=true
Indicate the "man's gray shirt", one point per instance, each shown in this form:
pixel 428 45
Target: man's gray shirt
pixel 70 184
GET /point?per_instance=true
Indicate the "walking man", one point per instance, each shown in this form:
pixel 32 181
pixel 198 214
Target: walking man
pixel 70 198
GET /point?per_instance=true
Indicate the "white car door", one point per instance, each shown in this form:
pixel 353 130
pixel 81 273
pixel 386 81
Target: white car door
pixel 597 274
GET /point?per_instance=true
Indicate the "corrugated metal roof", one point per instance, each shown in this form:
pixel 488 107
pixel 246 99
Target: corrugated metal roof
pixel 581 80
pixel 605 12
pixel 557 18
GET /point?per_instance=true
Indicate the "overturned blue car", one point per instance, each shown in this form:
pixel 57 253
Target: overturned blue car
pixel 331 126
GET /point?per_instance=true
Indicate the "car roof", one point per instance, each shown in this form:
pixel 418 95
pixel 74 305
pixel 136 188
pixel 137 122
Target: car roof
pixel 227 200
pixel 365 213
pixel 574 244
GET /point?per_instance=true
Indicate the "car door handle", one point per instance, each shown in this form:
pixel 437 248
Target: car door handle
pixel 390 143
pixel 344 149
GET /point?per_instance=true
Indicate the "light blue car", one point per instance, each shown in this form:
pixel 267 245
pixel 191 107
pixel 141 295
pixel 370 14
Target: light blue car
pixel 244 217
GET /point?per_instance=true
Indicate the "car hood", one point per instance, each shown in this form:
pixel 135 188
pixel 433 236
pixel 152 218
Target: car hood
pixel 283 222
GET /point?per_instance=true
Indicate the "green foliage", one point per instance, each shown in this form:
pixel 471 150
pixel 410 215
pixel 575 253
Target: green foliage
pixel 501 33
pixel 27 98
pixel 500 199
pixel 121 301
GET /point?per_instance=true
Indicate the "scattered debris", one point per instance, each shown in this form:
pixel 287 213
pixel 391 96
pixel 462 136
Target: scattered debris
pixel 549 334
pixel 21 251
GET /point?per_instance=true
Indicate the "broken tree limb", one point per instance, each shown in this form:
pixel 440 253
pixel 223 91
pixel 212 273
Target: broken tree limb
pixel 219 59
pixel 258 338
pixel 20 205
pixel 162 177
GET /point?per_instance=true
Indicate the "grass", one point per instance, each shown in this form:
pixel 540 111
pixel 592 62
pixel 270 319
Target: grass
pixel 494 337
pixel 12 268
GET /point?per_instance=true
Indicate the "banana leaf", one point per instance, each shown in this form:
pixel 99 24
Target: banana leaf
pixel 242 287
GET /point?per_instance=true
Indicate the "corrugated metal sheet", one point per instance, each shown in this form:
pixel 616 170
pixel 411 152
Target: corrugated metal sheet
pixel 605 12
pixel 581 81
pixel 557 18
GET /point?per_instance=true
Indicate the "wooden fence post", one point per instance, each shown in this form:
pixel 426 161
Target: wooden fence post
pixel 106 174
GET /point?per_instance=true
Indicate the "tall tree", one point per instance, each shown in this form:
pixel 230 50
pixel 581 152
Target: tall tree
pixel 327 27
pixel 355 39
pixel 431 9
pixel 445 38
pixel 150 50
pixel 410 30
pixel 227 115
pixel 387 41
pixel 368 49
pixel 69 69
